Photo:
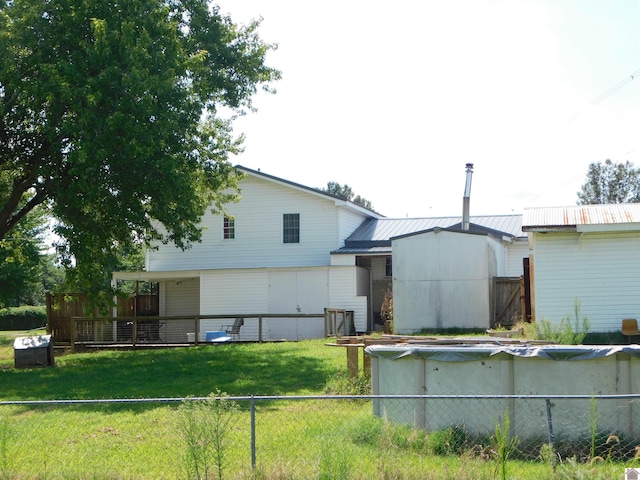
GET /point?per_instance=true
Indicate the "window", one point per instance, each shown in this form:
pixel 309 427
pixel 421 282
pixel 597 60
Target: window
pixel 229 228
pixel 291 228
pixel 388 271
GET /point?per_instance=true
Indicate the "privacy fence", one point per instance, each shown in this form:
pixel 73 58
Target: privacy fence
pixel 303 436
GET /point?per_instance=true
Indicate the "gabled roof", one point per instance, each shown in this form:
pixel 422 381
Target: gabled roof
pixel 338 200
pixel 377 233
pixel 583 218
pixel 474 229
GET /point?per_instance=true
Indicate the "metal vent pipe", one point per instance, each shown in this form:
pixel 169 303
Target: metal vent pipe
pixel 466 198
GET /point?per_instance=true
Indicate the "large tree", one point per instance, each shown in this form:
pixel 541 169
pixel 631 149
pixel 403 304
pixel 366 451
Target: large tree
pixel 110 117
pixel 610 182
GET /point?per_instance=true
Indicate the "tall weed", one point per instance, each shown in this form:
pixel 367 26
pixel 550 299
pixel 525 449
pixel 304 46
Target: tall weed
pixel 205 427
pixel 568 332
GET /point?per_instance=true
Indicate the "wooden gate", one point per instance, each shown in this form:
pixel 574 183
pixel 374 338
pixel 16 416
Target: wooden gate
pixel 508 294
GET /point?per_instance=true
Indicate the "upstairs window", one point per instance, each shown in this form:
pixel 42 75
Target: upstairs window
pixel 228 228
pixel 291 228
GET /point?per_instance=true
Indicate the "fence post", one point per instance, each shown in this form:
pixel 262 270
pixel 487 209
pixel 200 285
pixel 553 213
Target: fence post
pixel 549 422
pixel 197 330
pixel 72 338
pixel 253 433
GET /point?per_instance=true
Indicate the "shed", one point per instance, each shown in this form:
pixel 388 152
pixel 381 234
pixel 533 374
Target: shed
pixel 586 255
pixel 442 278
pixel 33 351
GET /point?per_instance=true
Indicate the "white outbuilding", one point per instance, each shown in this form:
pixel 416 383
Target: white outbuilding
pixel 585 255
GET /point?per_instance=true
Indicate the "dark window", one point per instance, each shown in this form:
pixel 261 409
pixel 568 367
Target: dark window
pixel 229 228
pixel 388 271
pixel 291 228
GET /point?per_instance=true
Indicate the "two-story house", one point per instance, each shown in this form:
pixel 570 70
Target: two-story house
pixel 286 248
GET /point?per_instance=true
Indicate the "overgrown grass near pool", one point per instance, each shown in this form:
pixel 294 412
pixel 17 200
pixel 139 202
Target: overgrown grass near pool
pixel 295 439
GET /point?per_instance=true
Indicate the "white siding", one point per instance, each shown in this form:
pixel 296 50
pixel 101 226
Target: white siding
pixel 516 252
pixel 343 293
pixel 601 270
pixel 234 292
pixel 282 290
pixel 343 259
pixel 348 221
pixel 180 297
pixel 258 233
pixel 442 280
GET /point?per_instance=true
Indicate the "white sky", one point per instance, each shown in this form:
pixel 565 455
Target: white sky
pixel 394 98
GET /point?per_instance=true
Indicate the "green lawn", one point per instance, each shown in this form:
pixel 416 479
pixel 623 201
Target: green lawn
pixel 294 439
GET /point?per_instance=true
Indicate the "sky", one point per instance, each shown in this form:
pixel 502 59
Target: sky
pixel 395 98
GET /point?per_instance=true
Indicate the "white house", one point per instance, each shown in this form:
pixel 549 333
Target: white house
pixel 589 254
pixel 286 248
pixel 271 253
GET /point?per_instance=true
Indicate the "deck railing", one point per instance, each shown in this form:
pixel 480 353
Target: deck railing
pixel 192 329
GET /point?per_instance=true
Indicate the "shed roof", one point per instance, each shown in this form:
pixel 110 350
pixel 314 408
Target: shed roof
pixel 583 218
pixel 374 235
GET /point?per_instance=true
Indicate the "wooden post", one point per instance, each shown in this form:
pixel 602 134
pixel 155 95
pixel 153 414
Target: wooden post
pixel 260 329
pixel 134 332
pixel 352 360
pixel 197 330
pixel 366 360
pixel 72 338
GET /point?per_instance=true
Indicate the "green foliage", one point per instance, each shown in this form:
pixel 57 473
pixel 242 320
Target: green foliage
pixel 504 444
pixel 6 448
pixel 380 433
pixel 26 272
pixel 449 441
pixel 567 332
pixel 342 383
pixel 549 457
pixel 346 192
pixel 109 117
pixel 22 318
pixel 205 427
pixel 610 182
pixel 335 463
pixel 386 310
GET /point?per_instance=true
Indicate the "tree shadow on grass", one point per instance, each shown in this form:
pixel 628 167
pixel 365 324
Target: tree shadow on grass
pixel 235 369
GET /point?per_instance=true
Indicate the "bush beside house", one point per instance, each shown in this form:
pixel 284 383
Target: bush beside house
pixel 23 318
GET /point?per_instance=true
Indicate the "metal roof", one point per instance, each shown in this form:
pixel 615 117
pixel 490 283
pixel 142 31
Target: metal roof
pixel 575 215
pixel 383 229
pixel 374 235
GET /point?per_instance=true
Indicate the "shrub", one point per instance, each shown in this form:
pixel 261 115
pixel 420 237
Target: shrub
pixel 567 332
pixel 343 384
pixel 23 318
pixel 448 441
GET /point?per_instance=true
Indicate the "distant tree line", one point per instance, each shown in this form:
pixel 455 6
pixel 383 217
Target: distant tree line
pixel 345 192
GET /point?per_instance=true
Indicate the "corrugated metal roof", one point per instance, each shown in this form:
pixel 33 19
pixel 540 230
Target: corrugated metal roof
pixel 571 216
pixel 383 229
pixel 374 235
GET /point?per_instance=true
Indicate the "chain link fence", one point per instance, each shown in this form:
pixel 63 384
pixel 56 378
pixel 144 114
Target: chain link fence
pixel 307 436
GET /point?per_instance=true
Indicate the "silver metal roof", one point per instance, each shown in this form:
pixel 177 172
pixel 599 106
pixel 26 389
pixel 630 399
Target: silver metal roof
pixel 571 216
pixel 374 235
pixel 382 229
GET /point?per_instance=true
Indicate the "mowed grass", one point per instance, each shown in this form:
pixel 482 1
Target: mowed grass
pixel 311 439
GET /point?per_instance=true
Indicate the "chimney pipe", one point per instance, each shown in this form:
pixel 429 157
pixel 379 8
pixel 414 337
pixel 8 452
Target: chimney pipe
pixel 465 199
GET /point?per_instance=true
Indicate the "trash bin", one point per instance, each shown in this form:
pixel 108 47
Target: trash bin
pixel 33 351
